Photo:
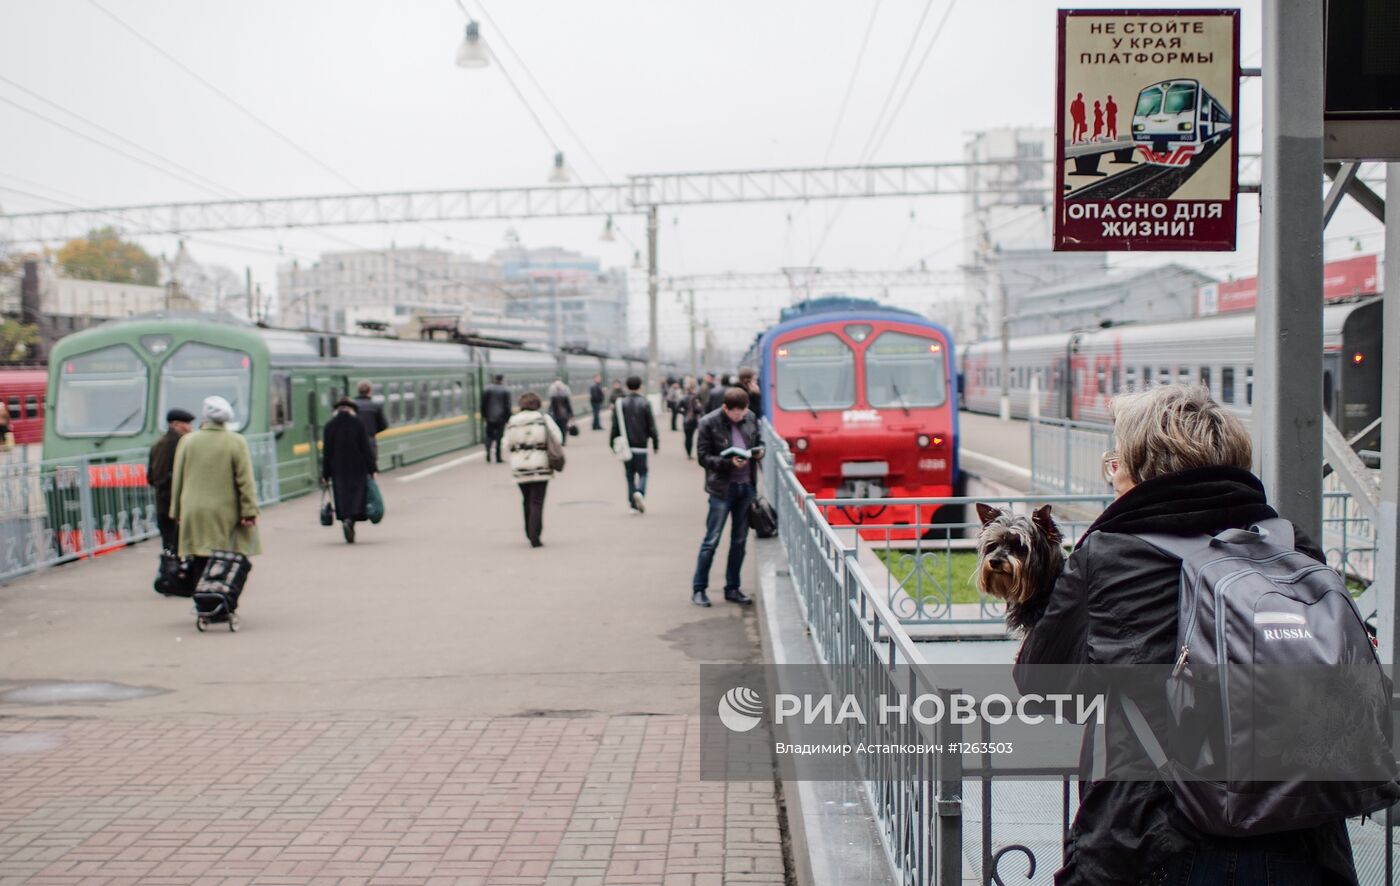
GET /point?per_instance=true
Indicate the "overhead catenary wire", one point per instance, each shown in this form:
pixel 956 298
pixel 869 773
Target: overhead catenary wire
pixel 913 80
pixel 851 81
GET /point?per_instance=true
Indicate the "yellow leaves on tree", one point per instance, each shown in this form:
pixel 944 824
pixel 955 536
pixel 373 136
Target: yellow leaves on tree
pixel 103 255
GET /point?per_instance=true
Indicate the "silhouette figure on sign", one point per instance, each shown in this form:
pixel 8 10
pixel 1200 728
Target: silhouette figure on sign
pixel 1076 114
pixel 1112 110
pixel 1098 122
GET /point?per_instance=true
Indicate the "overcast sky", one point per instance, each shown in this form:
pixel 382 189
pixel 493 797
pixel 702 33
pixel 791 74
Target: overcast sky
pixel 370 91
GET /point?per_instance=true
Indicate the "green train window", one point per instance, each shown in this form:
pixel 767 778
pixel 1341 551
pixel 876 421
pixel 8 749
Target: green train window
pixel 395 403
pixel 280 401
pixel 424 403
pixel 102 394
pixel 196 370
pixel 903 370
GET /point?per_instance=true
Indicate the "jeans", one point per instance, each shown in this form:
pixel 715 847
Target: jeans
pixel 532 501
pixel 494 432
pixel 169 529
pixel 734 505
pixel 636 475
pixel 1222 866
pixel 597 416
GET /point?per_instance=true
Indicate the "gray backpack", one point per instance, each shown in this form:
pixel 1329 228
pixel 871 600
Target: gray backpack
pixel 1278 709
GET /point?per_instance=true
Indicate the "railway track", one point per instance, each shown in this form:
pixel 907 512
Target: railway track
pixel 1145 181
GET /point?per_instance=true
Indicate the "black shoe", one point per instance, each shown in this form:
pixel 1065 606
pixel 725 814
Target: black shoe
pixel 700 598
pixel 738 597
pixel 536 543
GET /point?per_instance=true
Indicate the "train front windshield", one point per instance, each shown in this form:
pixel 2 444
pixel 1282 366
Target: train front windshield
pixel 1181 98
pixel 1149 101
pixel 904 371
pixel 815 373
pixel 195 371
pixel 102 394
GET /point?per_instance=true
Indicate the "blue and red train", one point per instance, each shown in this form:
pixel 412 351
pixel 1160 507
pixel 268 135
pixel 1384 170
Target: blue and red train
pixel 866 398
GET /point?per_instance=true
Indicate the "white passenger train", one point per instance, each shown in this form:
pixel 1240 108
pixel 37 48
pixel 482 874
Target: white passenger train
pixel 1175 120
pixel 1077 373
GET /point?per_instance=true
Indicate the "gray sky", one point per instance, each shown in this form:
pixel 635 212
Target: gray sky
pixel 369 89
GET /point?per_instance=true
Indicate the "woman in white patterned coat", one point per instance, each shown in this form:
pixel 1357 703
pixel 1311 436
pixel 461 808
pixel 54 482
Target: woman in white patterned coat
pixel 527 435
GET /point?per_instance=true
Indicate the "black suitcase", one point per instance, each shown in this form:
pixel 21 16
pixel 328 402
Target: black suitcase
pixel 172 576
pixel 216 595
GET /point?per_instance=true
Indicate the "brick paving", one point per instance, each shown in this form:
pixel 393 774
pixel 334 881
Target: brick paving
pixel 502 801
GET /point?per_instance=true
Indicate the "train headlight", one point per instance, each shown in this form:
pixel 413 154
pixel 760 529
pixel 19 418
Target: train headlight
pixel 923 440
pixel 1184 127
pixel 1139 127
pixel 1358 358
pixel 801 444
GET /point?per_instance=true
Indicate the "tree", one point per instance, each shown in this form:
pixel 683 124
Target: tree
pixel 103 255
pixel 18 341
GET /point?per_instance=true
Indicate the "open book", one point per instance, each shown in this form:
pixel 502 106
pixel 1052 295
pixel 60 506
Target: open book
pixel 736 452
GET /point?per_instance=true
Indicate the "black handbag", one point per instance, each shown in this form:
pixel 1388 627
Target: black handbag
pixel 172 577
pixel 763 518
pixel 573 429
pixel 327 509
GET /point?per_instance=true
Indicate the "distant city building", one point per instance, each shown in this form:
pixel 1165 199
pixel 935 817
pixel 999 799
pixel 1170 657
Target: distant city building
pixel 581 303
pixel 1120 295
pixel 395 281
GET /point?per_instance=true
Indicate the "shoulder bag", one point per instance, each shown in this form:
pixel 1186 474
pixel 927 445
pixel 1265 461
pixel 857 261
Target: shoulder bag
pixel 552 447
pixel 622 447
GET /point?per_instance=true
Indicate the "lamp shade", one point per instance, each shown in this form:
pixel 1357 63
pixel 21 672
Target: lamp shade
pixel 473 52
pixel 559 175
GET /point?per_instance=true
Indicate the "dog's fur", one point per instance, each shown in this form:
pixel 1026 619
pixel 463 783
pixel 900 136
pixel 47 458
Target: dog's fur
pixel 1018 560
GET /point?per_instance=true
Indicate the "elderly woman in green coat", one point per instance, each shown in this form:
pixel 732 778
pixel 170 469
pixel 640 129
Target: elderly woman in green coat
pixel 212 495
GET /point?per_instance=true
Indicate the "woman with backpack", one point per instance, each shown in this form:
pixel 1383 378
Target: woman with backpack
pixel 561 405
pixel 1181 469
pixel 528 435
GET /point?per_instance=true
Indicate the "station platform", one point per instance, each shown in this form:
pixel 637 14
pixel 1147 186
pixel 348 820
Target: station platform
pixel 438 703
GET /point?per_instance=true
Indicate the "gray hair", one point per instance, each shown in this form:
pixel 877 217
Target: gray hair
pixel 1175 428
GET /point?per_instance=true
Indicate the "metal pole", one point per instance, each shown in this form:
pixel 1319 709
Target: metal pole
pixel 1288 330
pixel 1387 526
pixel 248 289
pixel 652 280
pixel 694 364
pixel 1005 349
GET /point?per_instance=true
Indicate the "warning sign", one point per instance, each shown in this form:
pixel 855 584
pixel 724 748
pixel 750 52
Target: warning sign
pixel 1147 147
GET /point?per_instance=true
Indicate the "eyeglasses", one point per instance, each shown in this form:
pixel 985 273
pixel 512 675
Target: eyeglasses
pixel 1110 465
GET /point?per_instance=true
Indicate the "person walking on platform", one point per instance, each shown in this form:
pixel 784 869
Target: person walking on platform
pixel 160 470
pixel 212 493
pixel 527 437
pixel 495 412
pixel 561 406
pixel 673 399
pixel 706 387
pixel 692 409
pixel 371 415
pixel 596 397
pixel 348 466
pixel 716 398
pixel 616 392
pixel 639 425
pixel 748 380
pixel 729 451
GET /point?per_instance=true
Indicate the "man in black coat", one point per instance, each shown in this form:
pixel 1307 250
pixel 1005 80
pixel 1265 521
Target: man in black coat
pixel 347 464
pixel 716 398
pixel 730 481
pixel 1181 468
pixel 160 474
pixel 639 424
pixel 495 412
pixel 371 414
pixel 596 396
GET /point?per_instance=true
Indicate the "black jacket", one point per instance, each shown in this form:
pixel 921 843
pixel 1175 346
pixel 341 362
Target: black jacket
pixel 495 404
pixel 595 394
pixel 347 460
pixel 561 409
pixel 715 399
pixel 712 437
pixel 641 424
pixel 371 415
pixel 160 469
pixel 1116 603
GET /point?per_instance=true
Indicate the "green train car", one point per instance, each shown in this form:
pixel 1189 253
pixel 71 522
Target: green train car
pixel 111 386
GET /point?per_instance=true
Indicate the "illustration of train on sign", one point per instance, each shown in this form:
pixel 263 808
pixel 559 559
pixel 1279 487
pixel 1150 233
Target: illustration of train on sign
pixel 1177 120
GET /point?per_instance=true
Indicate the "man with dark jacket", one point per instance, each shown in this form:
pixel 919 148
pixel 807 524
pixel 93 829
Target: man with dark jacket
pixel 1181 468
pixel 729 480
pixel 160 474
pixel 639 424
pixel 348 465
pixel 717 393
pixel 371 414
pixel 595 400
pixel 495 412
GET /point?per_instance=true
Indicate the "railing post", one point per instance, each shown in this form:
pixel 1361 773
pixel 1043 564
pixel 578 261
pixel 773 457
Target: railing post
pixel 1035 465
pixel 949 798
pixel 87 521
pixel 1068 483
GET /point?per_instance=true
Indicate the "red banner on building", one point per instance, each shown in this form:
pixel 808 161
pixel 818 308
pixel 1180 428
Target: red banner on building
pixel 1146 146
pixel 1359 275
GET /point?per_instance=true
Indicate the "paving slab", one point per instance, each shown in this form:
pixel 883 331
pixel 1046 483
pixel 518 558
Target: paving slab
pixel 436 703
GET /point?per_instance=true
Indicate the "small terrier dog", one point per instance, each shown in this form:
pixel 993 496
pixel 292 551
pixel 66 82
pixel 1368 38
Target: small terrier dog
pixel 1018 560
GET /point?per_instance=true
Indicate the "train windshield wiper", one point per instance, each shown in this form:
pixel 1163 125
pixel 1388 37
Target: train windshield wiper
pixel 900 397
pixel 810 408
pixel 121 424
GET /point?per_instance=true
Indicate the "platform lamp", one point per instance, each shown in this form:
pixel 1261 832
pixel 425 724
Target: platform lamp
pixel 559 175
pixel 473 52
pixel 607 236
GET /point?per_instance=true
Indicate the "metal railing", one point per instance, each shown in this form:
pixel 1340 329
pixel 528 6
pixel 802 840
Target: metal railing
pixel 916 799
pixel 58 510
pixel 1067 456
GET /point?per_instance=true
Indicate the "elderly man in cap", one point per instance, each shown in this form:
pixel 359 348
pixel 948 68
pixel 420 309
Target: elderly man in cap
pixel 213 496
pixel 159 470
